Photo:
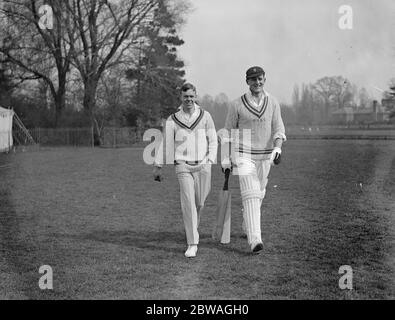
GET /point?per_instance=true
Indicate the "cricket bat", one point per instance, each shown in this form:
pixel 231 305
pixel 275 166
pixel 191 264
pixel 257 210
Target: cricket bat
pixel 221 230
pixel 277 159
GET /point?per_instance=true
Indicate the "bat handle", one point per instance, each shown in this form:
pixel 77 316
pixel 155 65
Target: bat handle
pixel 227 174
pixel 277 160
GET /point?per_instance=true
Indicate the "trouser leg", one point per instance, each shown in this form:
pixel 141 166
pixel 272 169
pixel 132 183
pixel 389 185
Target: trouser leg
pixel 188 206
pixel 202 183
pixel 263 169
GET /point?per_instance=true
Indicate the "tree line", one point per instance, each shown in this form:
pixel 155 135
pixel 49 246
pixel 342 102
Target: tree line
pixel 116 63
pixel 311 103
pixel 98 61
pixel 314 103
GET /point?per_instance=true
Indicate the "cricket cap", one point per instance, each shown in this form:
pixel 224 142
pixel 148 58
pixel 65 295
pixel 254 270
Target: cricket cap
pixel 254 72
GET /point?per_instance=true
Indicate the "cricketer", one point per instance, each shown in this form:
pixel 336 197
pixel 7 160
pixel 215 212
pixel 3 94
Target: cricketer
pixel 190 141
pixel 258 114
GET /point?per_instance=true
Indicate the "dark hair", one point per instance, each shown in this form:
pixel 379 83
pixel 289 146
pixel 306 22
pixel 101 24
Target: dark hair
pixel 188 86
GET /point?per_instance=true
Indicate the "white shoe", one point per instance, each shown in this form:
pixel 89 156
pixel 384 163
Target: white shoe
pixel 191 252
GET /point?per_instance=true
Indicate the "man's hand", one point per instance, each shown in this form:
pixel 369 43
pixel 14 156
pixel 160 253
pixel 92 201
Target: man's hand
pixel 275 156
pixel 226 164
pixel 158 174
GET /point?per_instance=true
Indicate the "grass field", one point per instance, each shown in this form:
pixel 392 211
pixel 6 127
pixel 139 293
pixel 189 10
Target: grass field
pixel 110 232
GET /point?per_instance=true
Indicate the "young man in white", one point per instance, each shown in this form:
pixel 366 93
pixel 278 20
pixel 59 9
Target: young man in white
pixel 257 116
pixel 191 143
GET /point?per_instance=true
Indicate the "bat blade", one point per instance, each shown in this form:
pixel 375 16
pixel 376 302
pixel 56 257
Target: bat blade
pixel 221 230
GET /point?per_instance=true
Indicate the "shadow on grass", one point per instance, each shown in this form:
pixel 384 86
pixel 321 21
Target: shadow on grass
pixel 166 241
pixel 16 253
pixel 12 249
pixel 21 251
pixel 157 241
pixel 230 247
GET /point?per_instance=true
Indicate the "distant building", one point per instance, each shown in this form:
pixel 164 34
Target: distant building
pixel 343 115
pixel 376 113
pixel 389 103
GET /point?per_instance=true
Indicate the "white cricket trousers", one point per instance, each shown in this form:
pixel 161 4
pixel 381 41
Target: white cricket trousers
pixel 195 184
pixel 253 178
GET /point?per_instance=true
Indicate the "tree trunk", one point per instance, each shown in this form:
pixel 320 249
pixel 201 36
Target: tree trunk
pixel 60 103
pixel 60 98
pixel 90 87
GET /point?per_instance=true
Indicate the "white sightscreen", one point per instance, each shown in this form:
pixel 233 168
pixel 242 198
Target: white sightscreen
pixel 5 129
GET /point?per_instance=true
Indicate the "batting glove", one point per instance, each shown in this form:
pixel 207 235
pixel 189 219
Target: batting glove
pixel 275 155
pixel 226 164
pixel 158 174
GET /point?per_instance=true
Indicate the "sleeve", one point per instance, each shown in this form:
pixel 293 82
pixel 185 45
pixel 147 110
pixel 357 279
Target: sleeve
pixel 278 129
pixel 231 122
pixel 232 117
pixel 165 151
pixel 212 138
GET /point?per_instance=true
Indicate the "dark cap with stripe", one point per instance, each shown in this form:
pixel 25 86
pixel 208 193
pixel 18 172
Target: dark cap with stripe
pixel 254 72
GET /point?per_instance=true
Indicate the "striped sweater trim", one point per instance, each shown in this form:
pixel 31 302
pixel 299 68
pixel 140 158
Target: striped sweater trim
pixel 255 151
pixel 183 125
pixel 250 108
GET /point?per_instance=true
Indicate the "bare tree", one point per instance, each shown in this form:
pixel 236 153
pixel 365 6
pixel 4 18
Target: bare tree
pixel 336 92
pixel 113 97
pixel 295 96
pixel 37 51
pixel 106 34
pixel 91 36
pixel 364 98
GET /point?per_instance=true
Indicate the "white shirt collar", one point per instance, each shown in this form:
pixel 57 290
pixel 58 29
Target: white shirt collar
pixel 252 99
pixel 196 107
pixel 187 115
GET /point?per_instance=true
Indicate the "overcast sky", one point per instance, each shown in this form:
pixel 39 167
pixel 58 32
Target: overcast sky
pixel 294 41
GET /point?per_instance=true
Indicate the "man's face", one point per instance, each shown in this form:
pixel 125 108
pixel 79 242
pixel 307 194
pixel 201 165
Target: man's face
pixel 256 84
pixel 188 98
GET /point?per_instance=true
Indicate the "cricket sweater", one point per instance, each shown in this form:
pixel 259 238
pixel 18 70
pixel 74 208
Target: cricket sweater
pixel 188 138
pixel 262 122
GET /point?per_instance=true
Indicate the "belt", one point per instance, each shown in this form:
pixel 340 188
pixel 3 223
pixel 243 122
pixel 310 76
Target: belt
pixel 191 163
